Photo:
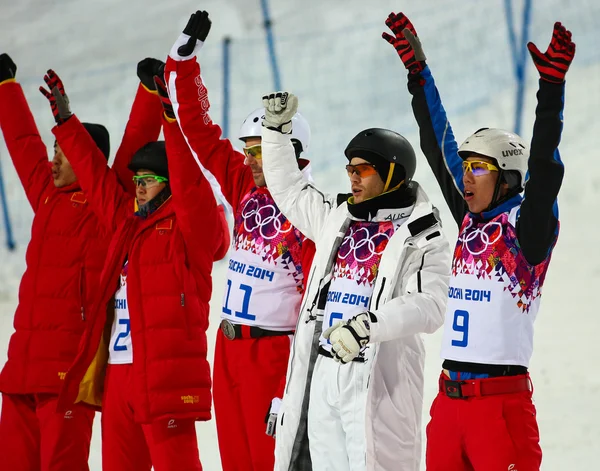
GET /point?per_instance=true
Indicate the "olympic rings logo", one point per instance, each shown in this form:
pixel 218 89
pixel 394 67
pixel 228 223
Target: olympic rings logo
pixel 478 241
pixel 364 245
pixel 267 219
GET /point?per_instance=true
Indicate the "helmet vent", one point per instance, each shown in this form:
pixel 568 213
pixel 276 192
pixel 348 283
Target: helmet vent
pixel 255 119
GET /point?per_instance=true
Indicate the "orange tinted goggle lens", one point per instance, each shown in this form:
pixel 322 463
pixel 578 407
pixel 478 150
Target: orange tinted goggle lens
pixel 253 151
pixel 362 170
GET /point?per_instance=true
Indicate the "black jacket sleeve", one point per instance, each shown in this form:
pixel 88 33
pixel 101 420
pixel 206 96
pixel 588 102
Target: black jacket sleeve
pixel 437 141
pixel 537 225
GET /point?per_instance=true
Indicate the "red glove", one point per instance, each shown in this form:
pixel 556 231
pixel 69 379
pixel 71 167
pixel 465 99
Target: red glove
pixel 554 63
pixel 59 102
pixel 407 45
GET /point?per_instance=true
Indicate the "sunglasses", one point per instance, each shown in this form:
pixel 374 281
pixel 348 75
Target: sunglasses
pixel 362 170
pixel 149 181
pixel 253 151
pixel 478 168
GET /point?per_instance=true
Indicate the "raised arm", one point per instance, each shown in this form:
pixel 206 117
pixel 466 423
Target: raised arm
pixel 299 200
pixel 437 139
pixel 199 223
pixel 144 121
pixel 537 226
pixel 25 146
pixel 217 157
pixel 109 201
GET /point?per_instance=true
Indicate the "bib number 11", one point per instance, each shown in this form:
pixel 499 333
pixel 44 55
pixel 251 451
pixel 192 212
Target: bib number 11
pixel 461 325
pixel 244 314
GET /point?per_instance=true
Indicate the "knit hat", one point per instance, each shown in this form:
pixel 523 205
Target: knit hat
pixel 100 136
pixel 152 156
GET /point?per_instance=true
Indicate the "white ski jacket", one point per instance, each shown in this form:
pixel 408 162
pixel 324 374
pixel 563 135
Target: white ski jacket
pixel 409 298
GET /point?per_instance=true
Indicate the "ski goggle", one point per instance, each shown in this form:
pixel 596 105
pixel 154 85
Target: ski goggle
pixel 478 167
pixel 362 170
pixel 253 151
pixel 148 181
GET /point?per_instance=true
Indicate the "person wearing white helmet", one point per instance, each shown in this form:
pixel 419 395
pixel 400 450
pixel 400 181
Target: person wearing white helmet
pixel 502 194
pixel 265 279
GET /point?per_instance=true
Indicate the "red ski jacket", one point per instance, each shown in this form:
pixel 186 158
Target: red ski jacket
pixel 170 256
pixel 65 254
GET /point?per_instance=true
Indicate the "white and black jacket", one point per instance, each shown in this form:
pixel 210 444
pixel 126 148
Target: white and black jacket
pixel 409 298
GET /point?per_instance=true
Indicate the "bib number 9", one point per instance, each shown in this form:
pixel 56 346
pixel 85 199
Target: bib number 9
pixel 460 324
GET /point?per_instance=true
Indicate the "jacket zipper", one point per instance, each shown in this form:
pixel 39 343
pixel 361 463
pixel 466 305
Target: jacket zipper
pixel 82 291
pixel 380 293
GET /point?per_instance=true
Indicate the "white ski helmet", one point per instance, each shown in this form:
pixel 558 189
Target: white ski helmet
pixel 507 148
pixel 251 127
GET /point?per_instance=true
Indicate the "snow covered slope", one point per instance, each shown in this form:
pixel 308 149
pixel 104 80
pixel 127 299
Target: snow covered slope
pixel 347 78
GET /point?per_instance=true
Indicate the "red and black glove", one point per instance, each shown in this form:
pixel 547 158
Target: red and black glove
pixel 147 69
pixel 554 63
pixel 197 28
pixel 163 94
pixel 8 69
pixel 59 102
pixel 406 42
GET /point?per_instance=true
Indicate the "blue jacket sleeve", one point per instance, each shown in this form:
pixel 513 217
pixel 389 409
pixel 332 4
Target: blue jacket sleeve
pixel 437 141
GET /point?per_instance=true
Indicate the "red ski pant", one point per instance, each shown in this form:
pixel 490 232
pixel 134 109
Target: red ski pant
pixel 168 445
pixel 247 376
pixel 485 433
pixel 34 437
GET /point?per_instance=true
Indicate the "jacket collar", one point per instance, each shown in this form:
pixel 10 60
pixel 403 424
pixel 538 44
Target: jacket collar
pixel 502 208
pixel 69 188
pixel 387 206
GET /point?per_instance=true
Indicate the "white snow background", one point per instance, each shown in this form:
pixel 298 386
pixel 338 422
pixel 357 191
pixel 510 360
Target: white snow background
pixel 347 78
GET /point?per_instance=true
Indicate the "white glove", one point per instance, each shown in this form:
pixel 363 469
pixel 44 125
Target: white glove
pixel 280 107
pixel 271 418
pixel 349 337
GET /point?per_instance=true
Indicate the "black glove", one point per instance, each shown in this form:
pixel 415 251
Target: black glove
pixel 197 28
pixel 8 69
pixel 163 94
pixel 59 102
pixel 147 69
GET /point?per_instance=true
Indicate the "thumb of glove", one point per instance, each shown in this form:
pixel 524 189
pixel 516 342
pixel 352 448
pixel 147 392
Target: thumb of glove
pixel 534 51
pixel 415 44
pixel 327 333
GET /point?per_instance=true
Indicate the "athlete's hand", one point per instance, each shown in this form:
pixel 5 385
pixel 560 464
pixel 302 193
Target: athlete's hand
pixel 163 94
pixel 8 69
pixel 554 63
pixel 197 29
pixel 405 41
pixel 280 108
pixel 271 418
pixel 348 338
pixel 59 101
pixel 147 69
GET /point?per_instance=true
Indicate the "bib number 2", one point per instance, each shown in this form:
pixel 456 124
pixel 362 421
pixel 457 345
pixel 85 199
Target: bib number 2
pixel 243 314
pixel 460 324
pixel 122 335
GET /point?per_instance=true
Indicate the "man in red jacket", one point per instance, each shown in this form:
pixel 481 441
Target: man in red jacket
pixel 143 353
pixel 64 260
pixel 267 268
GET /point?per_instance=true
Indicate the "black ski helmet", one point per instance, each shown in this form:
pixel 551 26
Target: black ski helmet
pixel 152 156
pixel 388 145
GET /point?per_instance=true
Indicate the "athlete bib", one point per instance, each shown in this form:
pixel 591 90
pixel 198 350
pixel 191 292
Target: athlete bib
pixel 494 295
pixel 264 279
pixel 120 350
pixel 356 268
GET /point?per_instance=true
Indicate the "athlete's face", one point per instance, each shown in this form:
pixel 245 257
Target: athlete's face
pixel 479 190
pixel 255 163
pixel 145 192
pixel 365 186
pixel 62 172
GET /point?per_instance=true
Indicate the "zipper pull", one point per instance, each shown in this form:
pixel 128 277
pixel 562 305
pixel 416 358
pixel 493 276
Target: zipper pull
pixel 182 300
pixel 82 314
